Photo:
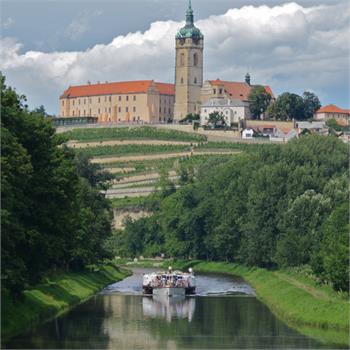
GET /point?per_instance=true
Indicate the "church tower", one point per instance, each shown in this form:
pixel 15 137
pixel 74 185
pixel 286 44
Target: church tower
pixel 189 68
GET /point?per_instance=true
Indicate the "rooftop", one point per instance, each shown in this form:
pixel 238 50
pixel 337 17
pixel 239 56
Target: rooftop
pixel 333 109
pixel 124 87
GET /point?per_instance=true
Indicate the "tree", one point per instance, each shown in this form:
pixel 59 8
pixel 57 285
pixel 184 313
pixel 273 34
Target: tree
pixel 216 119
pixel 288 106
pixel 311 104
pixel 259 100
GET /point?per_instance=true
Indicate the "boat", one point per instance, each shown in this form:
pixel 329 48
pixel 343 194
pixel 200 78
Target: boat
pixel 169 283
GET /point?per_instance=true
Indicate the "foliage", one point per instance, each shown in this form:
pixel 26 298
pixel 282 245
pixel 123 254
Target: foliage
pixel 264 208
pixel 124 150
pixel 57 293
pixel 311 104
pixel 334 126
pixel 216 120
pixel 190 118
pixel 288 106
pixel 132 133
pixel 51 217
pixel 259 100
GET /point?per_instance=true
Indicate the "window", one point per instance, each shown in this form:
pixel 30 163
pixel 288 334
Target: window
pixel 119 109
pixel 134 98
pixel 134 109
pixel 84 112
pixel 99 111
pixel 84 101
pixel 127 109
pixel 79 101
pixel 214 91
pixel 73 113
pixel 120 98
pixel 99 100
pixel 89 100
pixel 169 111
pixel 73 102
pixel 164 110
pixel 182 59
pixel 105 109
pixel 182 80
pixel 127 98
pixel 220 91
pixel 105 98
pixel 195 80
pixel 90 111
pixel 62 102
pixel 110 98
pixel 195 59
pixel 160 109
pixel 109 109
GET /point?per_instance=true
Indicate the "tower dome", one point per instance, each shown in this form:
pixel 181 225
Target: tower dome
pixel 189 30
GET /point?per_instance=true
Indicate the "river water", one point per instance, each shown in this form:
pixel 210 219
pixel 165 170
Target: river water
pixel 225 314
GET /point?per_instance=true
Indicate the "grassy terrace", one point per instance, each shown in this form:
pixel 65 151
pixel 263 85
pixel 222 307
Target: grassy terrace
pixel 129 202
pixel 314 310
pixel 57 295
pixel 132 133
pixel 132 150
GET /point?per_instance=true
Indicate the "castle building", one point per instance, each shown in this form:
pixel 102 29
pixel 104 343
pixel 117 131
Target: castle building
pixel 188 68
pixel 143 101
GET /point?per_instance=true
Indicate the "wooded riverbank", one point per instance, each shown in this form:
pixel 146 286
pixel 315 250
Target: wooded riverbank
pixel 54 297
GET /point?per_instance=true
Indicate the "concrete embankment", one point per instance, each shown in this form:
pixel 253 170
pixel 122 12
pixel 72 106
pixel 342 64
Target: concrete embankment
pixel 54 297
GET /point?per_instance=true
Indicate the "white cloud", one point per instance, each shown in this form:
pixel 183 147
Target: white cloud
pixel 289 47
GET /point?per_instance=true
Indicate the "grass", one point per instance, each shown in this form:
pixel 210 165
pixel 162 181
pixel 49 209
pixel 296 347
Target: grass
pixel 132 133
pixel 312 309
pixel 249 147
pixel 128 202
pixel 57 295
pixel 124 150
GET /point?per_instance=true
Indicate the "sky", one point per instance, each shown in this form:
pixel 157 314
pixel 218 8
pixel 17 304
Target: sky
pixel 46 46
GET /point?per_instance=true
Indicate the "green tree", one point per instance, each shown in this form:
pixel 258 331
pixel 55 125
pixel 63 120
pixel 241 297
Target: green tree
pixel 288 106
pixel 216 119
pixel 259 100
pixel 311 104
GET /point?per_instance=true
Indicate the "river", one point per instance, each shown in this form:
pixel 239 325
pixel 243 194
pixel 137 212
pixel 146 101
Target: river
pixel 225 314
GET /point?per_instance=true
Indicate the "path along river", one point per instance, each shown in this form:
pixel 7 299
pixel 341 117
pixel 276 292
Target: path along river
pixel 225 314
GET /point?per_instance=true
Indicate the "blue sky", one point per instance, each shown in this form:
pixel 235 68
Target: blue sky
pixel 49 45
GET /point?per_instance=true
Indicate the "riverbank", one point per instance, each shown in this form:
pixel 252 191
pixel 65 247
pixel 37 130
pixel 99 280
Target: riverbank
pixel 313 310
pixel 54 297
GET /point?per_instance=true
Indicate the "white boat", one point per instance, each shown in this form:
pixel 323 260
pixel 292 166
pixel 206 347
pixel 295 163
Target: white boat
pixel 169 283
pixel 169 291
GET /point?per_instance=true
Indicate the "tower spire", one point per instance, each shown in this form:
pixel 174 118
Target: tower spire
pixel 189 15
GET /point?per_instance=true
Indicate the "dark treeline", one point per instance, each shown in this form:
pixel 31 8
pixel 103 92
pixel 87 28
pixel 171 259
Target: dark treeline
pixel 52 214
pixel 280 206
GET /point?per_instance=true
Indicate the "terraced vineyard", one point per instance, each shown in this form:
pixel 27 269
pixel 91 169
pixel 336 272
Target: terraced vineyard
pixel 137 156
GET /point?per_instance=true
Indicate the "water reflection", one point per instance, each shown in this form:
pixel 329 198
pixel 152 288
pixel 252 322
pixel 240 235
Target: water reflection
pixel 161 306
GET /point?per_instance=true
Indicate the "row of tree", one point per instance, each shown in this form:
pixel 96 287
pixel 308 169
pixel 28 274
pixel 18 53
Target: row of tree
pixel 53 216
pixel 287 106
pixel 277 207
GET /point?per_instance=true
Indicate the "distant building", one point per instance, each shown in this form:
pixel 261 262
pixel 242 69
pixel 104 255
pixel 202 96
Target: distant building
pixel 283 135
pixel 143 101
pixel 342 116
pixel 313 127
pixel 232 110
pixel 247 134
pixel 229 90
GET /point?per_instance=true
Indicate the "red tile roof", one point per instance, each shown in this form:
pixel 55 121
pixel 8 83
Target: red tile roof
pixel 124 87
pixel 333 109
pixel 237 90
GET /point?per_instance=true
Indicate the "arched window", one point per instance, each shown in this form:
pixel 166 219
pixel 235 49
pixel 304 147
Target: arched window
pixel 195 59
pixel 182 59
